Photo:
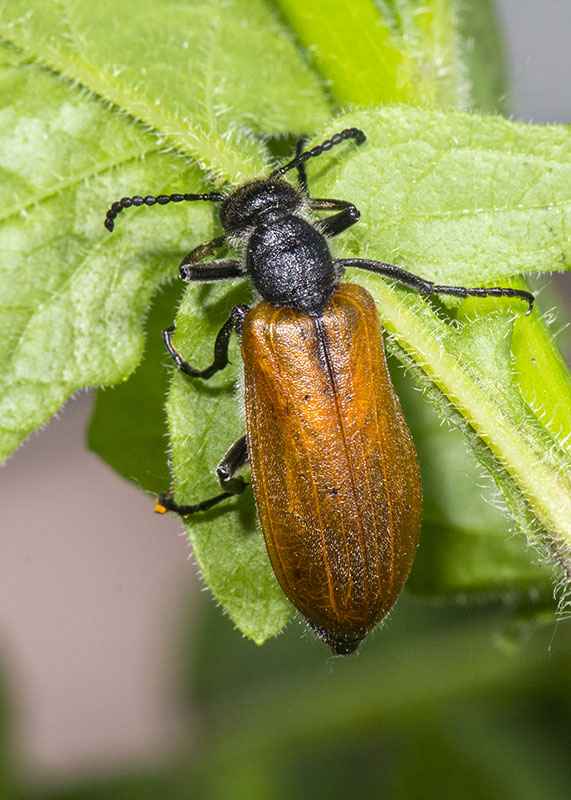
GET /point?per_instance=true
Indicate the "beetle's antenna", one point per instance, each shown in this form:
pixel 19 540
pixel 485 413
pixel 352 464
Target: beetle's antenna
pixel 150 200
pixel 348 133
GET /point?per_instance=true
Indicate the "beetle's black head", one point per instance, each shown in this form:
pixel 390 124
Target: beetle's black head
pixel 257 202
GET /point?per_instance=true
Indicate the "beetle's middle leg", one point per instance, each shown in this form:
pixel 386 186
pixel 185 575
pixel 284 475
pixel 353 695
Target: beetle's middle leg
pixel 234 322
pixel 235 458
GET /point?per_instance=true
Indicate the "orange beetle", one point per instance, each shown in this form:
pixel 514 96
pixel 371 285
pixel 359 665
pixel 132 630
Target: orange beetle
pixel 334 471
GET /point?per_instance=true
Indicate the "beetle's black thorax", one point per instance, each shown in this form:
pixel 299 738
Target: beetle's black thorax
pixel 289 263
pixel 287 257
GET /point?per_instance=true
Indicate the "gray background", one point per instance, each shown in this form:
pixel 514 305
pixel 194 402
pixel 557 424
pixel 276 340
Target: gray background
pixel 93 585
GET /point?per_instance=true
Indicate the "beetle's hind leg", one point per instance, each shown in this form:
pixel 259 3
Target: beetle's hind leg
pixel 234 323
pixel 425 287
pixel 235 458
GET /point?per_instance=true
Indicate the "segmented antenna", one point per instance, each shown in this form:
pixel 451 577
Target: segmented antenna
pixel 150 200
pixel 348 133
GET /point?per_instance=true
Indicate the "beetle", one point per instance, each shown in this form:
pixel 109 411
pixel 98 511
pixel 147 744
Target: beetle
pixel 333 466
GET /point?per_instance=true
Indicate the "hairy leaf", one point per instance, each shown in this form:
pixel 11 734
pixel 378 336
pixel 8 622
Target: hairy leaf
pixel 441 206
pixel 457 198
pixel 199 73
pixel 72 297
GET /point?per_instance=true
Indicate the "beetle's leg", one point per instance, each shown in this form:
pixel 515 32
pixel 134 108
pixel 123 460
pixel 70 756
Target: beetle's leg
pixel 331 226
pixel 427 287
pixel 235 458
pixel 203 250
pixel 164 502
pixel 349 213
pixel 220 269
pixel 234 323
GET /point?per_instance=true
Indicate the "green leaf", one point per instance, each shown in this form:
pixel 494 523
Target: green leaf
pixel 459 199
pixel 72 297
pixel 461 204
pixel 456 194
pixel 197 73
pixel 467 546
pixel 128 427
pixel 204 420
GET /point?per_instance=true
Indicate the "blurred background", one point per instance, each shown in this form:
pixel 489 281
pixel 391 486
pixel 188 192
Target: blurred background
pixel 121 679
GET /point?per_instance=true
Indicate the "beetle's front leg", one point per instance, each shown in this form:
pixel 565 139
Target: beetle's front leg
pixel 331 226
pixel 221 269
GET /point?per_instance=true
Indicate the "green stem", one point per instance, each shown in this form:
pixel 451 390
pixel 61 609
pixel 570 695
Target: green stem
pixel 368 55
